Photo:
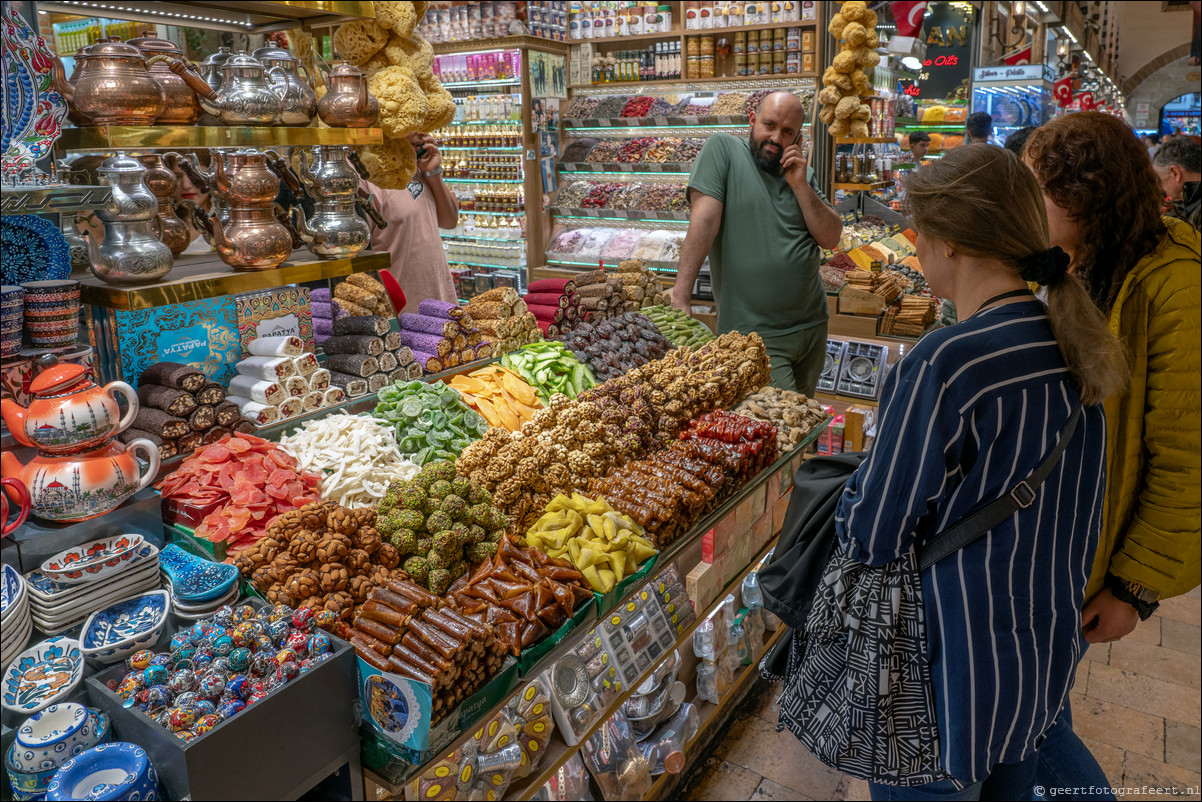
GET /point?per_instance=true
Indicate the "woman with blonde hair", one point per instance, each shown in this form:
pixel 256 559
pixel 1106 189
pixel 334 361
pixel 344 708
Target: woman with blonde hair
pixel 969 413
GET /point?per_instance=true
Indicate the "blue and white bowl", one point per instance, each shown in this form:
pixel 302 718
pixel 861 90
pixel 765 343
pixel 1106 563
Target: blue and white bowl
pixel 42 675
pixel 50 738
pixel 121 629
pixel 33 784
pixel 109 771
pixel 12 591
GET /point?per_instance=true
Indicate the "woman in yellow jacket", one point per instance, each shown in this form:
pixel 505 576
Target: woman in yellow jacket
pixel 1143 272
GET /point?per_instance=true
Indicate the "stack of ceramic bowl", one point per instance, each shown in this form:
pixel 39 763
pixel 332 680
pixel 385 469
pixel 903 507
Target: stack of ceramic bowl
pixel 12 304
pixel 47 741
pixel 15 622
pixel 41 675
pixel 66 590
pixel 109 771
pixel 52 312
pixel 121 629
pixel 198 586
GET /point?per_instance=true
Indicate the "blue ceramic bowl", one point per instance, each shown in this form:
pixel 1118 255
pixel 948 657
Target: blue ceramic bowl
pixel 33 784
pixel 121 629
pixel 109 771
pixel 194 579
pixel 49 738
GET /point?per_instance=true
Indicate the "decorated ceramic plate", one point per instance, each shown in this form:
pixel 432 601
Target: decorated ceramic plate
pixel 42 675
pixel 33 110
pixel 123 628
pixel 34 250
pixel 45 590
pixel 58 618
pixel 193 579
pixel 93 560
pixel 12 588
pixel 202 607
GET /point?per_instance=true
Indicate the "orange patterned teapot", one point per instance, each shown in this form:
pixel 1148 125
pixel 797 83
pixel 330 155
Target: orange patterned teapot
pixel 69 413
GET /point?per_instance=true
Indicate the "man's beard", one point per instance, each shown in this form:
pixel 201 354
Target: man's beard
pixel 769 164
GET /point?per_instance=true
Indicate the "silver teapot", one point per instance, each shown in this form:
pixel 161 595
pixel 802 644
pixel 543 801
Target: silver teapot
pixel 330 175
pixel 245 97
pixel 131 252
pixel 210 68
pixel 299 101
pixel 335 230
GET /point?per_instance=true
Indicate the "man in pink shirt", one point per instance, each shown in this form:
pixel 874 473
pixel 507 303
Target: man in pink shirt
pixel 414 216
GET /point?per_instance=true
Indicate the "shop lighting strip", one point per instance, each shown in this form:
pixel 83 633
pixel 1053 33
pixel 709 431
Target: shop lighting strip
pixel 475 237
pixel 486 122
pixel 481 84
pixel 493 214
pixel 466 263
pixel 635 129
pixel 198 18
pixel 480 150
pixel 626 173
pixel 484 180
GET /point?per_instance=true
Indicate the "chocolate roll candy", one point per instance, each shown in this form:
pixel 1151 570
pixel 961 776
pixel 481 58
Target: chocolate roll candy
pixel 398 375
pixel 214 434
pixel 351 385
pixel 202 419
pixel 131 434
pixel 376 382
pixel 404 355
pixel 189 442
pixel 244 426
pixel 226 413
pixel 172 401
pixel 158 422
pixel 175 375
pixel 360 365
pixel 414 370
pixel 374 325
pixel 354 344
pixel 387 362
pixel 167 450
pixel 212 394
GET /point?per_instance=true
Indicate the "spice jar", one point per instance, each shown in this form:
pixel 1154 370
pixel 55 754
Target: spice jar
pixel 707 46
pixel 740 43
pixel 778 40
pixel 778 63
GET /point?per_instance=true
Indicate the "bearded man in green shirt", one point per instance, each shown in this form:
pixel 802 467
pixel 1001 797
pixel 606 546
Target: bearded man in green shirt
pixel 762 220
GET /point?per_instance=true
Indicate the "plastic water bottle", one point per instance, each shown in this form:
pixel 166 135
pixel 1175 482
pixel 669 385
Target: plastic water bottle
pixel 664 749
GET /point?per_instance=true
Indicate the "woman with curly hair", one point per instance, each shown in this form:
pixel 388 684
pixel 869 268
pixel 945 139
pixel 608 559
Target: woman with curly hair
pixel 1142 271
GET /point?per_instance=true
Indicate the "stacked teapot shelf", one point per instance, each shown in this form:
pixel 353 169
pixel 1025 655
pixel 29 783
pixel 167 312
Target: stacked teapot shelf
pixel 150 137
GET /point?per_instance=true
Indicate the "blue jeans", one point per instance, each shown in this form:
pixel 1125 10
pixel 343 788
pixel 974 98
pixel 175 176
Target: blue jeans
pixel 1065 762
pixel 1006 781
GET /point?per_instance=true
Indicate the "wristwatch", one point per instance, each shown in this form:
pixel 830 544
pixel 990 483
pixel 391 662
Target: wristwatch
pixel 432 173
pixel 1144 600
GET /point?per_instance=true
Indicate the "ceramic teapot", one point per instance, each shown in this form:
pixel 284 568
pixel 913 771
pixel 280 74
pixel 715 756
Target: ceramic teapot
pixel 131 252
pixel 114 86
pixel 69 412
pixel 245 97
pixel 182 106
pixel 348 104
pixel 84 485
pixel 21 501
pixel 297 98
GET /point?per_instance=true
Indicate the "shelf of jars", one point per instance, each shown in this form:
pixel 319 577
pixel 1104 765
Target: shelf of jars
pixel 149 137
pixel 676 104
pixel 63 198
pixel 502 43
pixel 862 187
pixel 194 278
pixel 646 215
pixel 621 168
pixel 261 16
pixel 455 149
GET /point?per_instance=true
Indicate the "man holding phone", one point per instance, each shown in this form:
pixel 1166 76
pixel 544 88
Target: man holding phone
pixel 414 216
pixel 760 217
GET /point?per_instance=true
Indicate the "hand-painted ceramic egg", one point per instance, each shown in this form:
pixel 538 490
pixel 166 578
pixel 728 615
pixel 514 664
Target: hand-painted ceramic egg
pixel 298 642
pixel 222 664
pixel 201 661
pixel 320 643
pixel 130 684
pixel 163 659
pixel 239 659
pixel 181 639
pixel 182 681
pixel 278 631
pixel 205 707
pixel 255 697
pixel 303 618
pixel 212 684
pixel 288 670
pixel 186 699
pixel 261 664
pixel 186 735
pixel 325 618
pixel 206 723
pixel 284 656
pixel 224 616
pixel 156 696
pixel 139 660
pixel 182 718
pixel 231 708
pixel 162 717
pixel 197 632
pixel 204 648
pixel 243 612
pixel 154 675
pixel 237 687
pixel 243 634
pixel 184 654
pixel 223 645
pixel 281 612
pixel 264 644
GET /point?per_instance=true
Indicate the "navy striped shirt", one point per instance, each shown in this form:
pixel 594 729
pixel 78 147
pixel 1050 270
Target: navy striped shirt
pixel 971 411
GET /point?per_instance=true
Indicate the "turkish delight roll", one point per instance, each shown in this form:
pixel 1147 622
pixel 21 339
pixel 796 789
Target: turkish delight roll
pixel 268 368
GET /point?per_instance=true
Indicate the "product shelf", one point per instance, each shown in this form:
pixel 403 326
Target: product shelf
pixel 194 278
pixel 626 168
pixel 865 140
pixel 720 82
pixel 515 149
pixel 150 137
pixel 502 43
pixel 259 16
pixel 484 181
pixel 477 238
pixel 64 198
pixel 466 263
pixel 863 187
pixel 620 214
pixel 482 84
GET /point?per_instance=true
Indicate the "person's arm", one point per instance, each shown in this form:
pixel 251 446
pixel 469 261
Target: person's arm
pixel 446 205
pixel 822 221
pixel 705 217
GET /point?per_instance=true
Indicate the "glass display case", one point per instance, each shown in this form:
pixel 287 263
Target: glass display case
pixel 1015 96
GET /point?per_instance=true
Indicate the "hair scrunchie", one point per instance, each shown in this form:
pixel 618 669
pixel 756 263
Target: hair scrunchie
pixel 1044 267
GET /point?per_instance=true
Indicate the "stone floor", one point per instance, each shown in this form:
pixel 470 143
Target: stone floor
pixel 1136 704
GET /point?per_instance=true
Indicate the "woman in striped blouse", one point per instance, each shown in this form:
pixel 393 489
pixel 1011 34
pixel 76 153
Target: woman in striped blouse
pixel 968 413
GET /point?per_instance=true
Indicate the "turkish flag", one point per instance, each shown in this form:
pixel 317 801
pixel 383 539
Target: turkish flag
pixel 1087 101
pixel 1063 90
pixel 908 17
pixel 1019 57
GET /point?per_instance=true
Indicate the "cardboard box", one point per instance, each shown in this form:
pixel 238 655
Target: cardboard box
pixel 270 750
pixel 281 312
pixel 857 419
pixel 763 530
pixel 778 512
pixel 858 302
pixel 857 326
pixel 741 552
pixel 203 334
pixel 703 583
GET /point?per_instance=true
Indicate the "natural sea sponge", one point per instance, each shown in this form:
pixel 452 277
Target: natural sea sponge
pixel 440 103
pixel 845 62
pixel 854 10
pixel 830 96
pixel 854 34
pixel 374 64
pixel 827 115
pixel 359 40
pixel 859 128
pixel 867 58
pixel 419 8
pixel 390 165
pixel 839 80
pixel 839 128
pixel 414 54
pixel 835 26
pixel 398 17
pixel 868 19
pixel 403 106
pixel 860 83
pixel 847 107
pixel 873 40
pixel 862 113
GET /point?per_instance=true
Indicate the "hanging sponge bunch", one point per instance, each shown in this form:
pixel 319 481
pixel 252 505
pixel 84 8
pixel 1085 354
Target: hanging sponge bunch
pixel 845 81
pixel 400 74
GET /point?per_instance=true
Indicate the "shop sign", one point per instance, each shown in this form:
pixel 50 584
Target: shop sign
pixel 947 67
pixel 1029 73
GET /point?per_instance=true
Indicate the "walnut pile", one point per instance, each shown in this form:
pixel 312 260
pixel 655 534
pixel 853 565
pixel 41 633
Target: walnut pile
pixel 570 443
pixel 793 415
pixel 322 556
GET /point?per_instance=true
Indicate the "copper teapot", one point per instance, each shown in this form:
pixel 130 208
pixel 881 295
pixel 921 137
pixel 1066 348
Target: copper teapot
pixel 114 86
pixel 182 106
pixel 347 103
pixel 253 239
